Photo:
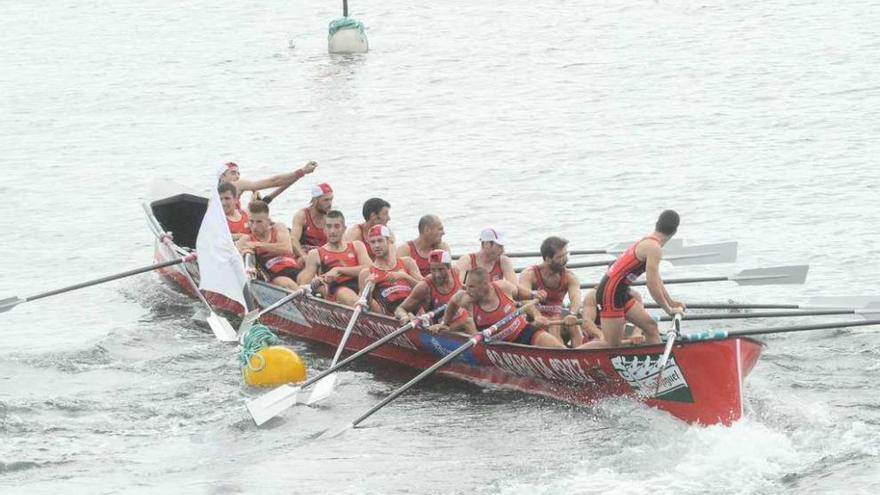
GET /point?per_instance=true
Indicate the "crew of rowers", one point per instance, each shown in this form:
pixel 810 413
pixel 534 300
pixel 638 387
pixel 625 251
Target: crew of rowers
pixel 479 289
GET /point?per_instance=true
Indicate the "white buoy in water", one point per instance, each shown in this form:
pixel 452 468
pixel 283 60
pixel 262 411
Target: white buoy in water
pixel 346 34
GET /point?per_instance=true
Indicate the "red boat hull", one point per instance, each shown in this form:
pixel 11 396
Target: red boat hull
pixel 701 383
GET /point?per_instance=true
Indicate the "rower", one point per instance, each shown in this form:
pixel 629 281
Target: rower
pixel 270 244
pixel 488 302
pixel 430 238
pixel 441 284
pixel 236 218
pixel 232 174
pixel 375 212
pixel 490 256
pixel 393 277
pixel 336 265
pixel 592 324
pixel 308 232
pixel 616 304
pixel 556 281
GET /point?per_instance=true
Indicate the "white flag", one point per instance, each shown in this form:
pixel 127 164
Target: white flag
pixel 220 267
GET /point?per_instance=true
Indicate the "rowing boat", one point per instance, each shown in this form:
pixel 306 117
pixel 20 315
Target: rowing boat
pixel 702 382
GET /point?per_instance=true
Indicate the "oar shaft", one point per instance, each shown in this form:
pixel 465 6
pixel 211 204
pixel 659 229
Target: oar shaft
pixel 692 280
pixel 731 306
pixel 359 307
pixel 109 278
pixel 439 364
pixel 758 314
pixel 723 334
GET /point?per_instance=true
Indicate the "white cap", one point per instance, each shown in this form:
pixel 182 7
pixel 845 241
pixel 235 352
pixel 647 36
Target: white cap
pixel 492 235
pixel 321 189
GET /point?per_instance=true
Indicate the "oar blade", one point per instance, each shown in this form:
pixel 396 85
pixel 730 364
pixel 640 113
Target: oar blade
pixel 248 321
pixel 9 303
pixel 704 254
pixel 221 328
pixel 322 389
pixel 271 404
pixel 778 275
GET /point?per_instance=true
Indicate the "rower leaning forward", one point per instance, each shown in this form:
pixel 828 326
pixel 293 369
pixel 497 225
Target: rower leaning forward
pixel 437 289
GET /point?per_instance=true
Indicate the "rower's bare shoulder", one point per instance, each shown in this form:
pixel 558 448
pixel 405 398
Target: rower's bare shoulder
pixel 299 216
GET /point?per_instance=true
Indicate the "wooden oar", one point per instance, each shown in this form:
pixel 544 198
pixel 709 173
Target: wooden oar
pixel 866 313
pixel 219 325
pixel 670 340
pixel 723 334
pixel 276 401
pixel 324 388
pixel 11 302
pixel 709 254
pixel 778 275
pixel 815 303
pixel 255 315
pixel 486 335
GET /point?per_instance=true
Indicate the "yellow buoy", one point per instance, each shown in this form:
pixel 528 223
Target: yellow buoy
pixel 274 365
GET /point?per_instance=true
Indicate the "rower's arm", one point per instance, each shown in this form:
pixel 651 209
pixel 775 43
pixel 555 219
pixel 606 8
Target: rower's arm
pixel 588 315
pixel 280 246
pixel 527 279
pixel 574 292
pixel 353 233
pixel 463 264
pixel 412 273
pixel 653 254
pixel 507 270
pixel 413 301
pixel 296 231
pixel 276 180
pixel 452 307
pixel 403 250
pixel 309 272
pixel 362 255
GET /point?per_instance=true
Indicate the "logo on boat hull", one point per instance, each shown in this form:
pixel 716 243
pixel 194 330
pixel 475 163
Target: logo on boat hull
pixel 641 373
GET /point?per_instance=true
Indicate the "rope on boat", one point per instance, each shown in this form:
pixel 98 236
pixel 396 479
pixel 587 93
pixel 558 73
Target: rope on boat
pixel 258 338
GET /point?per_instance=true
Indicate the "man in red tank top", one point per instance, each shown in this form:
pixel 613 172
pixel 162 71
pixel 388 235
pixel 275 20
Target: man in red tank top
pixel 393 277
pixel 490 257
pixel 308 231
pixel 376 211
pixel 231 173
pixel 441 284
pixel 488 302
pixel 555 281
pixel 615 301
pixel 235 217
pixel 430 238
pixel 270 244
pixel 336 265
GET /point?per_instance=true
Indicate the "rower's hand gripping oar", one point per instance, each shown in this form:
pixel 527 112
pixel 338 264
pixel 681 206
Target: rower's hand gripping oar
pixel 11 302
pixel 670 341
pixel 276 401
pixel 219 325
pixel 486 335
pixel 777 275
pixel 324 388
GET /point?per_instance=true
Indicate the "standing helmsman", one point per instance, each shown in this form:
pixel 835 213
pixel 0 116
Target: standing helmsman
pixel 430 238
pixel 490 257
pixel 616 304
pixel 556 281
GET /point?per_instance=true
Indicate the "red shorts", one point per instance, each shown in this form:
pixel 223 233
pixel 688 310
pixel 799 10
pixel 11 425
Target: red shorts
pixel 613 297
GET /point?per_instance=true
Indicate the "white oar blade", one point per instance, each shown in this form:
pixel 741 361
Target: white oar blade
pixel 673 246
pixel 322 389
pixel 872 312
pixel 705 254
pixel 795 274
pixel 9 303
pixel 248 321
pixel 271 404
pixel 844 302
pixel 221 328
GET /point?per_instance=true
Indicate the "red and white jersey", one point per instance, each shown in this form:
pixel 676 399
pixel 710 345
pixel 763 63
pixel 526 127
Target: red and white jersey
pixel 241 226
pixel 338 259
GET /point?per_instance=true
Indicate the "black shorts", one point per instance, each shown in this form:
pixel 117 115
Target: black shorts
pixel 333 287
pixel 527 335
pixel 613 298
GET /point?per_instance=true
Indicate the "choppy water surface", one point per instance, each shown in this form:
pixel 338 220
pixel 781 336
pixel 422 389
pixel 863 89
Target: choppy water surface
pixel 756 120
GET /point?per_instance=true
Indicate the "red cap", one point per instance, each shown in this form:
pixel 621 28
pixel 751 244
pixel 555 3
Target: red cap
pixel 231 165
pixel 321 189
pixel 439 256
pixel 378 230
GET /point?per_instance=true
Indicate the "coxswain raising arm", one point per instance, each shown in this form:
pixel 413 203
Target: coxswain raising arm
pixel 307 231
pixel 232 175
